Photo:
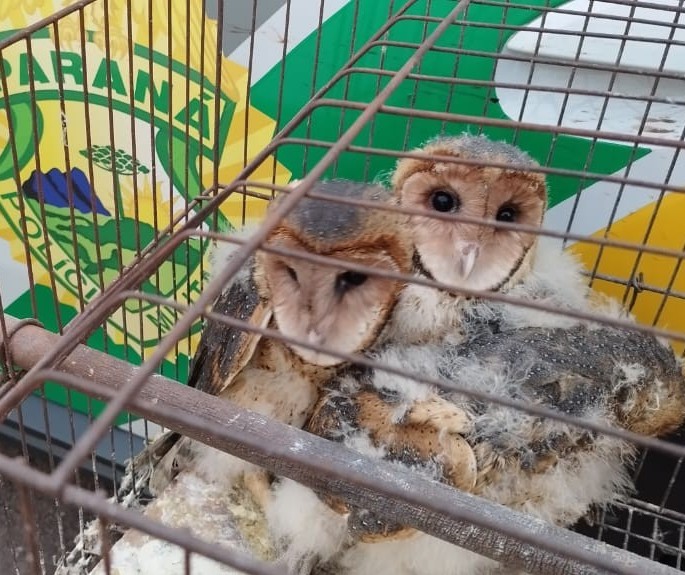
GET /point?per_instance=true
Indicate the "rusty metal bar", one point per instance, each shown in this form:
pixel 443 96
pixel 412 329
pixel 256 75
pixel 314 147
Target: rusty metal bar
pixel 106 544
pixel 44 22
pixel 100 306
pixel 406 498
pixel 29 526
pixel 562 10
pixel 643 441
pixel 546 10
pixel 458 218
pixel 566 32
pixel 497 123
pixel 85 443
pixel 547 232
pixel 28 343
pixel 593 317
pixel 518 86
pixel 540 60
pixel 141 381
pixel 468 162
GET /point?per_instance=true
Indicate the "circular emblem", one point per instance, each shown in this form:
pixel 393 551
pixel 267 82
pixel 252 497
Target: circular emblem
pixel 101 151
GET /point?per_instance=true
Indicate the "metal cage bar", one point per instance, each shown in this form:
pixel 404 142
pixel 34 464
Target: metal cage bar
pixel 31 356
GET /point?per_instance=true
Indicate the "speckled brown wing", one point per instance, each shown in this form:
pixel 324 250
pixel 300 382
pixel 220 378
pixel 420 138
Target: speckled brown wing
pixel 544 442
pixel 415 443
pixel 631 375
pixel 620 377
pixel 414 439
pixel 222 353
pixel 224 350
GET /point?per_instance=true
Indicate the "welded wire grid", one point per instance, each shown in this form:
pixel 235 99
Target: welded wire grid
pixel 387 81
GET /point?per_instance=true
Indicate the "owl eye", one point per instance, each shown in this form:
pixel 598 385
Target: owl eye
pixel 506 213
pixel 348 280
pixel 443 201
pixel 292 273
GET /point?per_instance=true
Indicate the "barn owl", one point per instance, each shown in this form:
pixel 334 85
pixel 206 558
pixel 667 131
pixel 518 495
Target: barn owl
pixel 539 466
pixel 477 257
pixel 464 255
pixel 323 305
pixel 471 256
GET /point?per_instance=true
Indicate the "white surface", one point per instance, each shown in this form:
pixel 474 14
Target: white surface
pixel 625 116
pixel 208 510
pixel 138 428
pixel 14 278
pixel 663 120
pixel 268 39
pixel 595 203
pixel 646 52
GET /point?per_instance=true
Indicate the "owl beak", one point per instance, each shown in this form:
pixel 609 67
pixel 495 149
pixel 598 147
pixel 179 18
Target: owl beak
pixel 467 253
pixel 314 337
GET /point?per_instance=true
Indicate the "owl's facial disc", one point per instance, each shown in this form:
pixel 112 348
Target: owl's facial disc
pixel 319 322
pixel 328 306
pixel 468 255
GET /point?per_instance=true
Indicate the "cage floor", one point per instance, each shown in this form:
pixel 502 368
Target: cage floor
pixel 51 537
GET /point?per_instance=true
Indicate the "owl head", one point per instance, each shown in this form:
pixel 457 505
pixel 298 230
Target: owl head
pixel 473 256
pixel 326 305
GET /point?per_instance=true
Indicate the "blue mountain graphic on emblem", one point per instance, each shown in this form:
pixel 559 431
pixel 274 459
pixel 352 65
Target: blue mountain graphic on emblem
pixel 53 186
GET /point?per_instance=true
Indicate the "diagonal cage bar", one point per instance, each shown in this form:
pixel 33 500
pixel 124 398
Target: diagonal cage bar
pixel 427 97
pixel 421 503
pixel 97 308
pixel 85 444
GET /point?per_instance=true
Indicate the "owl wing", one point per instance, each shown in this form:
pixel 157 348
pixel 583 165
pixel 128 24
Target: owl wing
pixel 224 350
pixel 222 353
pixel 624 377
pixel 642 381
pixel 549 440
pixel 424 435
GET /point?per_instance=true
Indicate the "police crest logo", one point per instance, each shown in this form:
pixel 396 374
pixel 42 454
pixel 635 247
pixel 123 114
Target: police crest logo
pixel 174 120
pixel 86 205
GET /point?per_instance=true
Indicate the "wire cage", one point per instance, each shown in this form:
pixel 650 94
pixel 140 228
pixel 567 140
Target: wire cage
pixel 135 135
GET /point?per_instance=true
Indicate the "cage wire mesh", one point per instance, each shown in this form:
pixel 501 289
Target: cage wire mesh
pixel 135 135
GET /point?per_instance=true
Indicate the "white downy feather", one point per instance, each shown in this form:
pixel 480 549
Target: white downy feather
pixel 563 493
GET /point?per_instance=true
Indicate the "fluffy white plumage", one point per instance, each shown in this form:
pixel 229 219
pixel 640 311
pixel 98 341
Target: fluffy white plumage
pixel 211 464
pixel 221 253
pixel 303 527
pixel 560 494
pixel 548 469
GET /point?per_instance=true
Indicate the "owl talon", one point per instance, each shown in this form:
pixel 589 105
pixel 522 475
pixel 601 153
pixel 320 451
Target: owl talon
pixel 461 465
pixel 441 414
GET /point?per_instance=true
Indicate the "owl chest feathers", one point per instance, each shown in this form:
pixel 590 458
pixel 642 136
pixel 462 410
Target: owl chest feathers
pixel 273 369
pixel 423 314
